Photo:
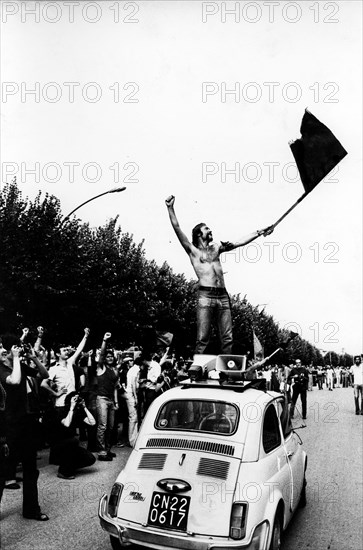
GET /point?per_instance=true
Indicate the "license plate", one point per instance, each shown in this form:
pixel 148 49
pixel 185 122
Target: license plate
pixel 169 511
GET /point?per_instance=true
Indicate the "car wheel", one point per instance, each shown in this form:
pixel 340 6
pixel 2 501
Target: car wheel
pixel 276 533
pixel 302 500
pixel 115 543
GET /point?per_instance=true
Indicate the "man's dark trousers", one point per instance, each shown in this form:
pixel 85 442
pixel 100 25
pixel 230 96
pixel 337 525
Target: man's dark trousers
pixel 22 442
pixel 296 391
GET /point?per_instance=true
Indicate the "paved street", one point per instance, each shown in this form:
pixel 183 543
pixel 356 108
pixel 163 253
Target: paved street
pixel 332 519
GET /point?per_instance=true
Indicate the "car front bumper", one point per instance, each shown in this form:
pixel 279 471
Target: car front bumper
pixel 158 540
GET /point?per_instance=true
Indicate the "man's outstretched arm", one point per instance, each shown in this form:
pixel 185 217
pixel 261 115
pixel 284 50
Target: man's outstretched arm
pixel 184 241
pixel 80 348
pixel 227 245
pixel 260 364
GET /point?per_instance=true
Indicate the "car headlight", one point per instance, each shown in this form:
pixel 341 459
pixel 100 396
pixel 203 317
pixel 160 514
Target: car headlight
pixel 114 499
pixel 237 527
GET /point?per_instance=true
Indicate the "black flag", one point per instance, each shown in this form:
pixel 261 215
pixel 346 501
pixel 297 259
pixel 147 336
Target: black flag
pixel 288 338
pixel 316 152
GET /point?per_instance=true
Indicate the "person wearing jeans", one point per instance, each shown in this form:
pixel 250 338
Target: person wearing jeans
pixel 106 383
pixel 213 299
pixel 213 302
pixel 105 408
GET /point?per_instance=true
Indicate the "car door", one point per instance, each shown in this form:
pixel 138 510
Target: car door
pixel 273 446
pixel 293 452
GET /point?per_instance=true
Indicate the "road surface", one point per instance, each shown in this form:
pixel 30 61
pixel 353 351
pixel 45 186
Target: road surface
pixel 332 519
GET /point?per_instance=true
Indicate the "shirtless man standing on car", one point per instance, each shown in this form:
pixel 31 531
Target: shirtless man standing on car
pixel 213 299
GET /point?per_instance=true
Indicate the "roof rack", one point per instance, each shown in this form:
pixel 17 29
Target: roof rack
pixel 237 386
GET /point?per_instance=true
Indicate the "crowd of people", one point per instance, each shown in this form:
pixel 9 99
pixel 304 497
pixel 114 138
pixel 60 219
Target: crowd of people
pixel 80 404
pixel 77 403
pixel 327 376
pixel 296 380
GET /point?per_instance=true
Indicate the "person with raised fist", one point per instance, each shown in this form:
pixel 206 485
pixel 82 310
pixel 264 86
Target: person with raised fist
pixel 105 383
pixel 204 254
pixel 18 370
pixel 65 373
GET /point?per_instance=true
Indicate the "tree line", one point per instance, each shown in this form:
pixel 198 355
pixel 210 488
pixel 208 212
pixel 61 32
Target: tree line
pixel 65 276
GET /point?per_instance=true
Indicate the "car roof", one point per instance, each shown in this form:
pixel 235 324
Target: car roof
pixel 217 393
pixel 213 390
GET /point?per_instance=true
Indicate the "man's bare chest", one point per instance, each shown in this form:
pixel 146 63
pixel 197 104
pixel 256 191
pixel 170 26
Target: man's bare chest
pixel 208 255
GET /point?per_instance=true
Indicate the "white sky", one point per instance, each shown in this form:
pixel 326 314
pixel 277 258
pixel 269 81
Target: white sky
pixel 168 52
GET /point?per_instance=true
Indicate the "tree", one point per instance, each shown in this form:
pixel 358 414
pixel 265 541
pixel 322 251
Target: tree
pixel 65 275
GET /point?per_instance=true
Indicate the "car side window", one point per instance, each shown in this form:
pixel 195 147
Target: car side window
pixel 271 437
pixel 283 411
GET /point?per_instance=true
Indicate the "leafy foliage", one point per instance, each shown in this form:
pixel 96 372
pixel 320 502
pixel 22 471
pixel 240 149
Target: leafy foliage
pixel 65 276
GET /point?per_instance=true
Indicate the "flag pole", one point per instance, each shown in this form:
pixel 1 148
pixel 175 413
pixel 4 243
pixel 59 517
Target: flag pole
pixel 289 210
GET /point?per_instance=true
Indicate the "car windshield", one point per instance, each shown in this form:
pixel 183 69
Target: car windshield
pixel 198 416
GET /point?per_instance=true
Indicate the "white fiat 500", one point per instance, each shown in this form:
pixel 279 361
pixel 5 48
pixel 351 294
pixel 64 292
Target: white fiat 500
pixel 216 466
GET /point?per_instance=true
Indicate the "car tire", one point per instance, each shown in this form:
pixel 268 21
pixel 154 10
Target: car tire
pixel 302 499
pixel 276 532
pixel 115 543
